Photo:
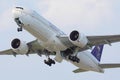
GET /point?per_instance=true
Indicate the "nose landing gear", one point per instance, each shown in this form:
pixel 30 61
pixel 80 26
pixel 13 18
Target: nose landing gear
pixel 19 23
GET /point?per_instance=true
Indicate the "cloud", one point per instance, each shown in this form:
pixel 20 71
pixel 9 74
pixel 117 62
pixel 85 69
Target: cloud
pixel 83 14
pixel 72 14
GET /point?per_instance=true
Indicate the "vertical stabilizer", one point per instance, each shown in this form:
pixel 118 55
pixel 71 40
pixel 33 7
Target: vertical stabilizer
pixel 97 52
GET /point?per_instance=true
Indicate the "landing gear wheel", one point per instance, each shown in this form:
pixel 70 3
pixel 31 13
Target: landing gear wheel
pixel 46 62
pixel 53 62
pixel 49 62
pixel 19 29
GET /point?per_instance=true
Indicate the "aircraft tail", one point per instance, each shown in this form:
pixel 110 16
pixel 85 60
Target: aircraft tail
pixel 97 52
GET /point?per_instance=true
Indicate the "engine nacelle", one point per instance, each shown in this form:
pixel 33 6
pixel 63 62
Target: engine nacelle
pixel 78 39
pixel 19 47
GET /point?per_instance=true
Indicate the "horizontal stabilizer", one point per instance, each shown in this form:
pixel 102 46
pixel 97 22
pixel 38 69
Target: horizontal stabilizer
pixel 79 70
pixel 104 66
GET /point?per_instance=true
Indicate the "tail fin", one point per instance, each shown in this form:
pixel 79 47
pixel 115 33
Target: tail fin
pixel 97 52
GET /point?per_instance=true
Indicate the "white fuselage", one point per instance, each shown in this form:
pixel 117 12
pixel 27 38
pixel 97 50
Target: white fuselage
pixel 47 34
pixel 87 62
pixel 43 30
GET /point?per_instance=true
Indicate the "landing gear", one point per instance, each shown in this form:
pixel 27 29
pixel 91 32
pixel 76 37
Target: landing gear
pixel 19 23
pixel 19 29
pixel 74 58
pixel 49 62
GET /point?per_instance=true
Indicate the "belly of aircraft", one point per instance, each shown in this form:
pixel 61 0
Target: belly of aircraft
pixel 47 38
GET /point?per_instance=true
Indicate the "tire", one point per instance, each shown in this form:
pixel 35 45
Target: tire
pixel 53 62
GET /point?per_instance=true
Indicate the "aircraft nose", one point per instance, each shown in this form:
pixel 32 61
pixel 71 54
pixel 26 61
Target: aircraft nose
pixel 17 12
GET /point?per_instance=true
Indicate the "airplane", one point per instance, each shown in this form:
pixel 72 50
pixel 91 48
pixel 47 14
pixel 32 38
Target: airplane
pixel 52 41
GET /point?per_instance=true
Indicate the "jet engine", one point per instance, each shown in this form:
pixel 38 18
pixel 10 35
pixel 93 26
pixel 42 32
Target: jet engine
pixel 78 39
pixel 19 46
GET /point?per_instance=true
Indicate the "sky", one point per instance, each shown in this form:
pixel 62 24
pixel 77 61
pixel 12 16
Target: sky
pixel 91 17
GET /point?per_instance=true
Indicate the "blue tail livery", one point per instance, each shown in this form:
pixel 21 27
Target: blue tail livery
pixel 97 52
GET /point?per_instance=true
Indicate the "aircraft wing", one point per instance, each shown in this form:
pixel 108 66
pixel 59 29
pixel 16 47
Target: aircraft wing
pixel 7 52
pixel 33 46
pixel 97 40
pixel 93 40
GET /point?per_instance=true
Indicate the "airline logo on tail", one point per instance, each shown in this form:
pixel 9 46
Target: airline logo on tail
pixel 97 52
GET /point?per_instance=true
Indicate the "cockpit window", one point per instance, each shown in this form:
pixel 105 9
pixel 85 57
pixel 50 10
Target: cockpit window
pixel 19 8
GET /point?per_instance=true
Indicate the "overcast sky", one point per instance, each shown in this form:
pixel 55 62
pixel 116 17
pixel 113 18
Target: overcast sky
pixel 91 17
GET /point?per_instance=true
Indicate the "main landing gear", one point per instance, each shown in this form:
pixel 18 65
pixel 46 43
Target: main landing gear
pixel 74 58
pixel 49 61
pixel 19 29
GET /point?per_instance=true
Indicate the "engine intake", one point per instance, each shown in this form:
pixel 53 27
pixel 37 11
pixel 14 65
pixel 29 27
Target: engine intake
pixel 74 35
pixel 15 43
pixel 78 39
